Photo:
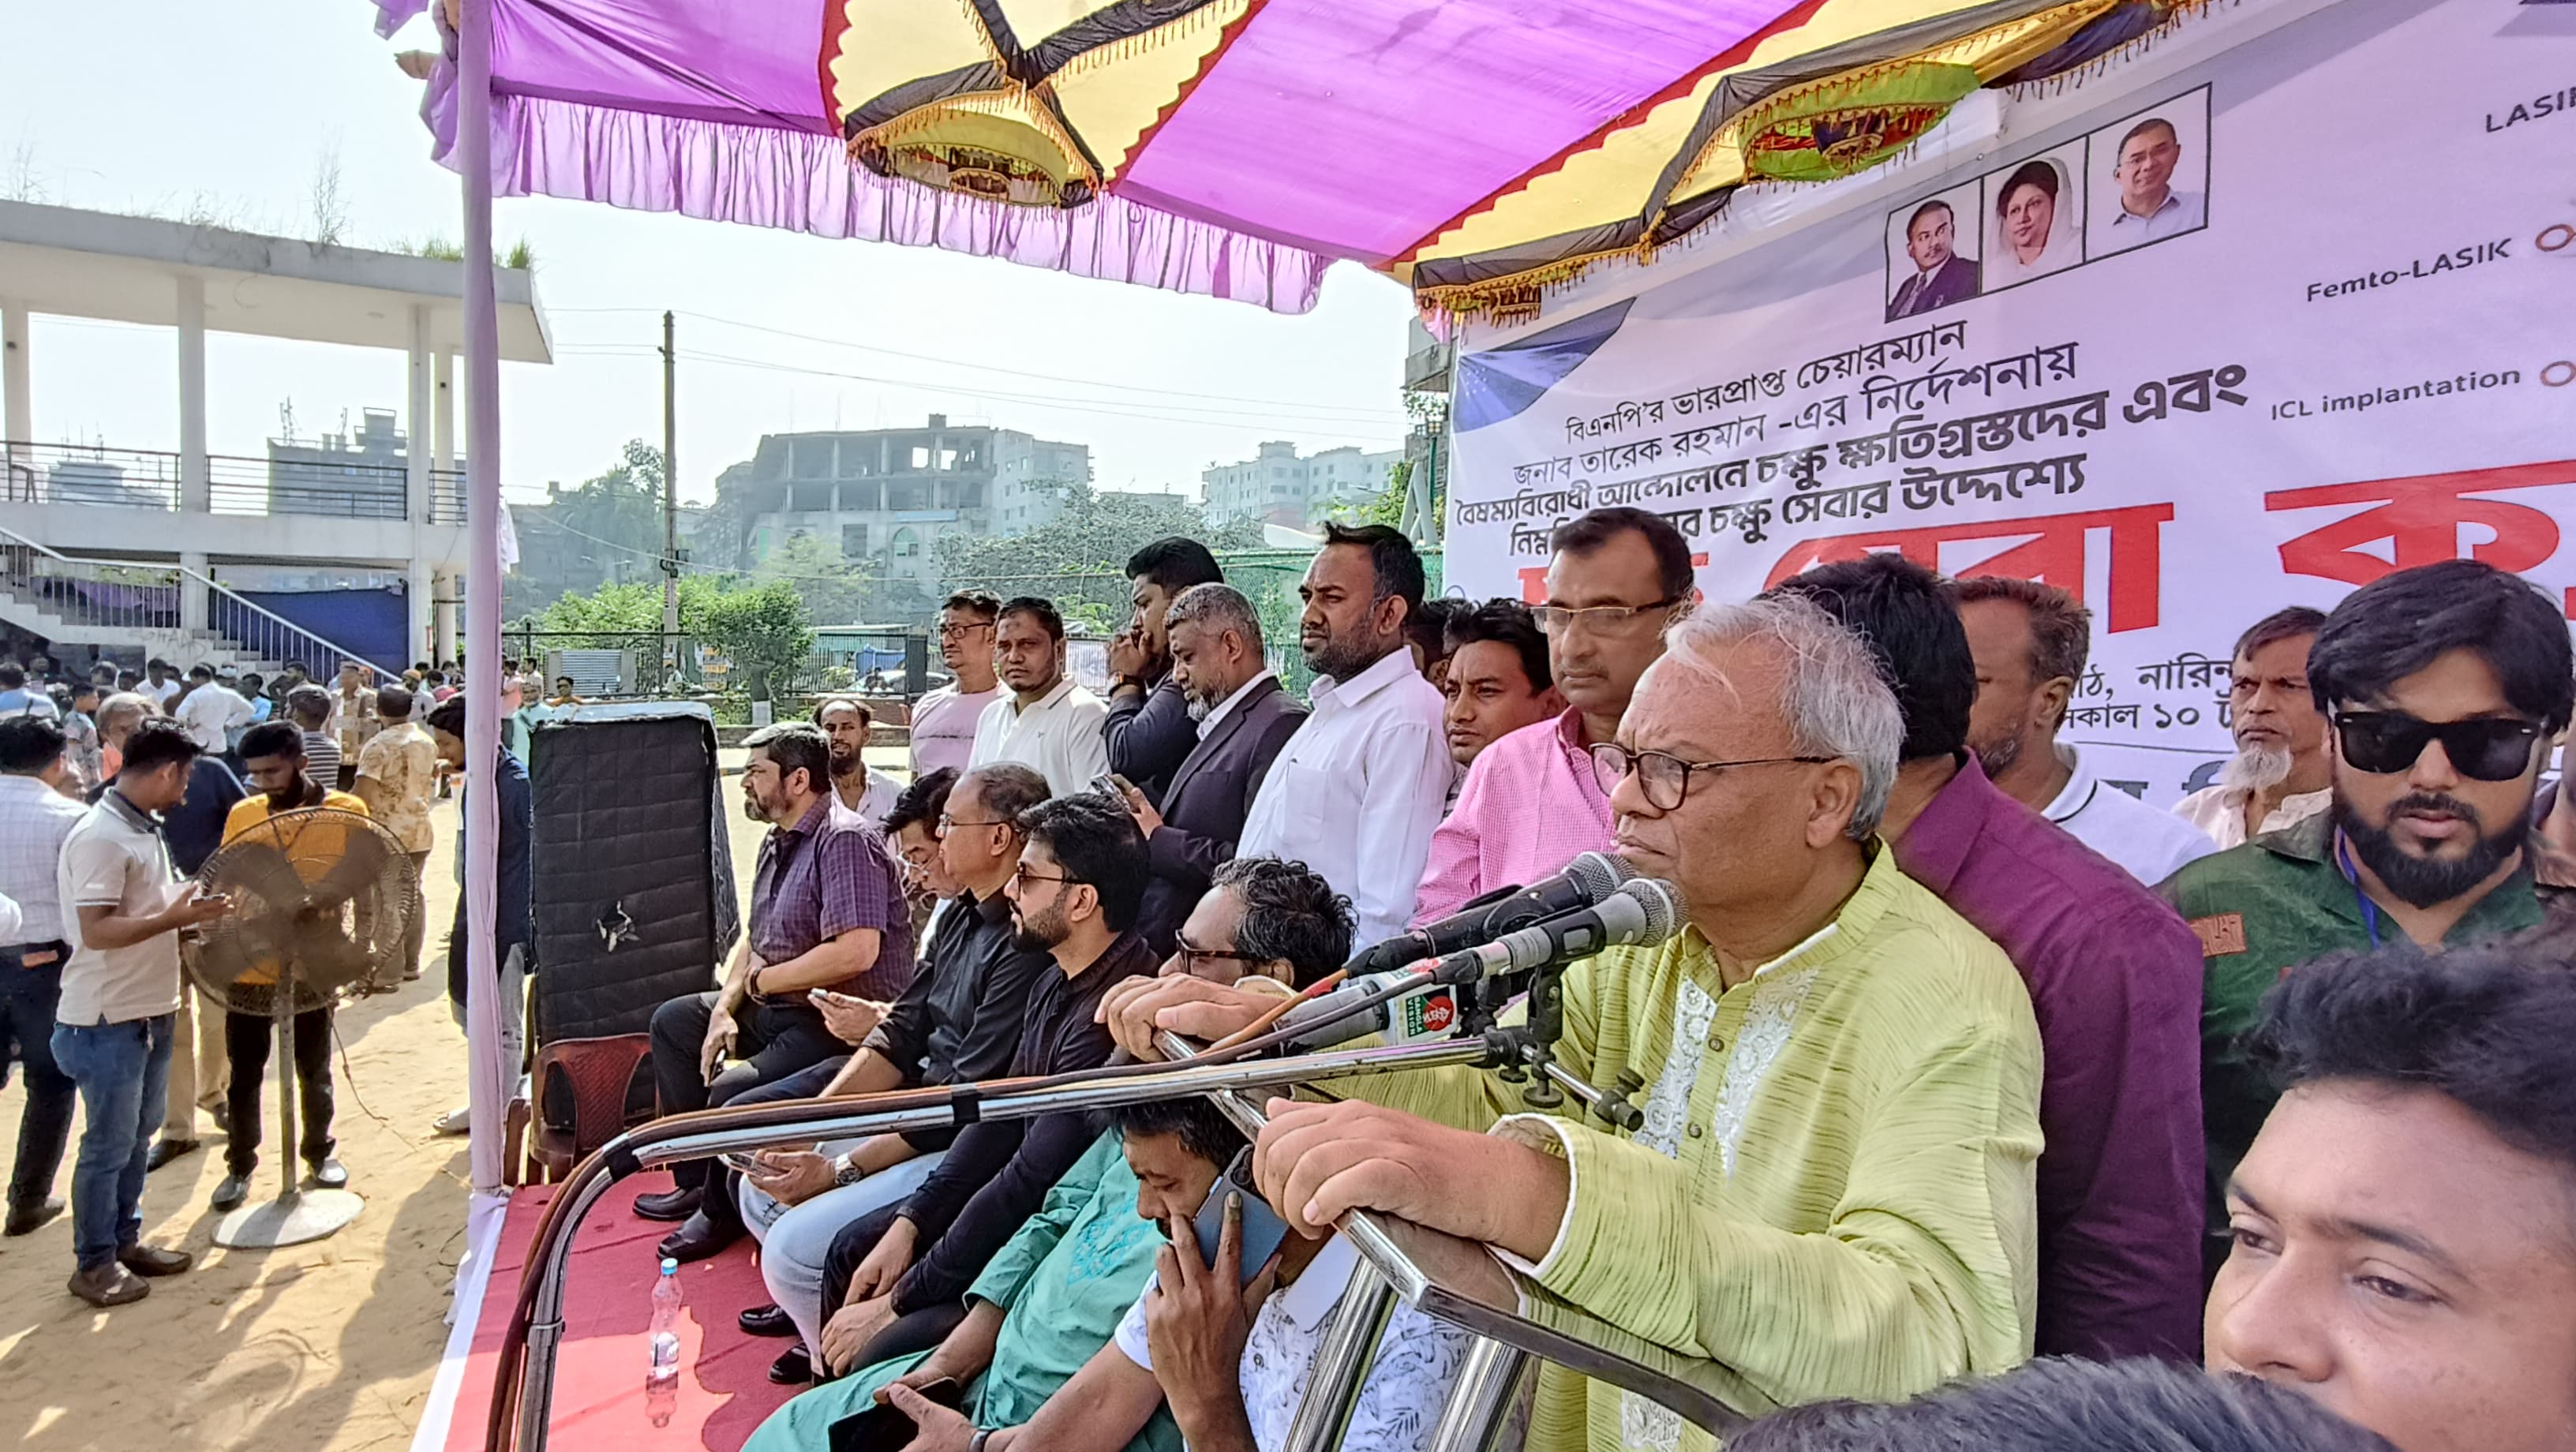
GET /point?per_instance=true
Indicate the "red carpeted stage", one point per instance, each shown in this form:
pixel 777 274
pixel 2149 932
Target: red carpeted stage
pixel 599 1377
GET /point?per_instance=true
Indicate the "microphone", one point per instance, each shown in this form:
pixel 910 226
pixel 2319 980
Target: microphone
pixel 1643 910
pixel 1589 878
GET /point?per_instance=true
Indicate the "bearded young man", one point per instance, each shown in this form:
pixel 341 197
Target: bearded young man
pixel 2278 774
pixel 2443 686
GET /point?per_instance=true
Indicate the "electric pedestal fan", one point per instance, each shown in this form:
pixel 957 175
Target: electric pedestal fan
pixel 322 906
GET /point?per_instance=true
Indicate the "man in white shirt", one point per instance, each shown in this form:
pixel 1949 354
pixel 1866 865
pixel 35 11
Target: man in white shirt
pixel 1047 723
pixel 18 698
pixel 943 721
pixel 354 719
pixel 2150 209
pixel 161 682
pixel 2278 776
pixel 1357 791
pixel 861 788
pixel 35 818
pixel 2030 642
pixel 120 1003
pixel 211 711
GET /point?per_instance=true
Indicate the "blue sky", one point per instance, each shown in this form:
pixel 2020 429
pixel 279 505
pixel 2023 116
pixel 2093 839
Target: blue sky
pixel 152 106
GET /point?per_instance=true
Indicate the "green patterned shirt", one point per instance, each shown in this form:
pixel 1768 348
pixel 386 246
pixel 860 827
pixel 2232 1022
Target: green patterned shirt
pixel 1832 1194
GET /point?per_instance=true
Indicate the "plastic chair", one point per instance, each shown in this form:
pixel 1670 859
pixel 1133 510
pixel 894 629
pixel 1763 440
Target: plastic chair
pixel 596 1072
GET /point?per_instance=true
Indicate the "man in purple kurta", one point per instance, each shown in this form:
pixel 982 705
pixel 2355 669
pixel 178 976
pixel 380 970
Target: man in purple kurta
pixel 2114 977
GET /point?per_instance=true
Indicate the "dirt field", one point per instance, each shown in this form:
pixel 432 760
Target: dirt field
pixel 330 1345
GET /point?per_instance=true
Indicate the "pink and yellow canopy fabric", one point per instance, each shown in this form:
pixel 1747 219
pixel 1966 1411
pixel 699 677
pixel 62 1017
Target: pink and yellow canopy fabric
pixel 1473 149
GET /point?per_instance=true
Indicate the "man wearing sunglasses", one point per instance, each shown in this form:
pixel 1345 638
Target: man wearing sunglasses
pixel 1529 804
pixel 2442 686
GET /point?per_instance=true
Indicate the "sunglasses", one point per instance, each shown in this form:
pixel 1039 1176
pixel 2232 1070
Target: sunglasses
pixel 2482 748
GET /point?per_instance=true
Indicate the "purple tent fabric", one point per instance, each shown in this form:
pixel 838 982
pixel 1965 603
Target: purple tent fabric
pixel 1326 129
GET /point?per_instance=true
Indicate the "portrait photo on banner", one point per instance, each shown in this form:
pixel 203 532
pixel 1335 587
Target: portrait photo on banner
pixel 1932 252
pixel 2034 217
pixel 2150 176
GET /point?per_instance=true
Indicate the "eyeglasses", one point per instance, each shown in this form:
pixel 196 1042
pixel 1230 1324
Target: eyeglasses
pixel 948 824
pixel 1664 777
pixel 951 632
pixel 1191 957
pixel 1023 876
pixel 1557 619
pixel 2482 748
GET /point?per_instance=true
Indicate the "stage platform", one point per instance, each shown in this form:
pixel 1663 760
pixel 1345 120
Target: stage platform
pixel 725 1389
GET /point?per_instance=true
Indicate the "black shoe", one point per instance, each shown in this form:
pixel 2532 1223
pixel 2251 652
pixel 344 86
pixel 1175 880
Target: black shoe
pixel 151 1260
pixel 28 1218
pixel 696 1240
pixel 677 1204
pixel 329 1174
pixel 766 1321
pixel 794 1367
pixel 232 1192
pixel 109 1285
pixel 165 1150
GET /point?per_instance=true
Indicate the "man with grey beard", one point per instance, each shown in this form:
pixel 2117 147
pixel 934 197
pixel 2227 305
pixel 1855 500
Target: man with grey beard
pixel 1244 718
pixel 2278 775
pixel 2444 686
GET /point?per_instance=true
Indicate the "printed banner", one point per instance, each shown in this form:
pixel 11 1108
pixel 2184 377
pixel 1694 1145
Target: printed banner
pixel 2246 335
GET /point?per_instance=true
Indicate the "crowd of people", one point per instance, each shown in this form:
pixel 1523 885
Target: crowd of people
pixel 1969 1064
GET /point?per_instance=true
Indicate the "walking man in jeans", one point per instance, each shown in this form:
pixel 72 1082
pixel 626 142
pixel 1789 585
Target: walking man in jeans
pixel 35 817
pixel 120 1001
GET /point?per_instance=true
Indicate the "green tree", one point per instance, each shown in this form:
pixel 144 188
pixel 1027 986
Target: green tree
pixel 833 592
pixel 613 525
pixel 1077 558
pixel 762 629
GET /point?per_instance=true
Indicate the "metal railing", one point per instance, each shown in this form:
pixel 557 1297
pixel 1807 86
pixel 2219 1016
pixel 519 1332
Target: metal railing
pixel 235 484
pixel 90 474
pixel 130 596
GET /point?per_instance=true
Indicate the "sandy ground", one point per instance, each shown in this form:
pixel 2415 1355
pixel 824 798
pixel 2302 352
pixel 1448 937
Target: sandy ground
pixel 331 1345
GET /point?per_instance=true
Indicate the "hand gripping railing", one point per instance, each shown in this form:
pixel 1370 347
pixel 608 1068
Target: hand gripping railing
pixel 1438 1274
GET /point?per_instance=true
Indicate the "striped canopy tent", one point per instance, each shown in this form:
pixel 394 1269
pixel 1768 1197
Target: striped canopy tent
pixel 1474 150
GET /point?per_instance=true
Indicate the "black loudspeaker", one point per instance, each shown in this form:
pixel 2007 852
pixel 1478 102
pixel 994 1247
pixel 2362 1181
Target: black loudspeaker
pixel 630 871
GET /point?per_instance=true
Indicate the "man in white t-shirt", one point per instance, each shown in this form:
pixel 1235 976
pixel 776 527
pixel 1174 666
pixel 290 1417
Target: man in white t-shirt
pixel 211 711
pixel 943 721
pixel 1046 723
pixel 161 682
pixel 120 999
pixel 2030 642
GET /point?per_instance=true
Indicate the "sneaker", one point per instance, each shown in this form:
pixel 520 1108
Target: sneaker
pixel 108 1285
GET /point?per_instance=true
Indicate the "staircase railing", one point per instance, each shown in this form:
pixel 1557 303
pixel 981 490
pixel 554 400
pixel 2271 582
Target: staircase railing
pixel 139 596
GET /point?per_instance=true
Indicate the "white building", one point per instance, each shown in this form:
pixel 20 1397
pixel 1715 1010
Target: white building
pixel 128 542
pixel 1280 486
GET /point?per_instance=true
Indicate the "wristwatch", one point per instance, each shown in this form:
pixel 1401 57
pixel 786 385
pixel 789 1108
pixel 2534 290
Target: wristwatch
pixel 844 1172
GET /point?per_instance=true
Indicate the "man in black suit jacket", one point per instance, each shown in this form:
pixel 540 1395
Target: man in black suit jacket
pixel 1149 728
pixel 1941 276
pixel 1244 718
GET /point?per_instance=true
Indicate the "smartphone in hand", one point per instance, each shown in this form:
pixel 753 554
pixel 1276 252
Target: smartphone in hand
pixel 1262 1227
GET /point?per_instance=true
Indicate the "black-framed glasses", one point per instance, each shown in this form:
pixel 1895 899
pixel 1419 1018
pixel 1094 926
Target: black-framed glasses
pixel 1191 957
pixel 1557 619
pixel 1023 876
pixel 1664 777
pixel 949 824
pixel 952 632
pixel 2481 748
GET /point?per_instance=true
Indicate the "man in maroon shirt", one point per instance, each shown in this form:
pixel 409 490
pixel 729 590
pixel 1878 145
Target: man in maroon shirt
pixel 2114 977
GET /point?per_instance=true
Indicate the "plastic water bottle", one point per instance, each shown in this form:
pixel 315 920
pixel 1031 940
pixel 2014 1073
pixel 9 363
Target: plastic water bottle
pixel 662 1377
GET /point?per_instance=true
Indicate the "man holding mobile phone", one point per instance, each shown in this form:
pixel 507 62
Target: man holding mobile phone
pixel 120 1004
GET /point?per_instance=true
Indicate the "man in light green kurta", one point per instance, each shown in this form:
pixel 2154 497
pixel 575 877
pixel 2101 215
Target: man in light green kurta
pixel 1832 1194
pixel 1051 1297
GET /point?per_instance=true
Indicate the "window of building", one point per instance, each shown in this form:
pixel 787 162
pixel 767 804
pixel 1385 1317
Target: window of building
pixel 854 541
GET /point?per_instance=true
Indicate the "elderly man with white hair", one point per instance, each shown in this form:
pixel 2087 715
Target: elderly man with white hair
pixel 1832 1193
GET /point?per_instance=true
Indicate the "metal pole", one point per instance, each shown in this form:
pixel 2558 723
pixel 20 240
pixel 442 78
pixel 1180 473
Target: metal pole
pixel 1342 1361
pixel 488 1077
pixel 282 1011
pixel 670 503
pixel 1490 1382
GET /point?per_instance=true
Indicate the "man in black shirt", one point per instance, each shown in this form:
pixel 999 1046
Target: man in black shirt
pixel 1080 879
pixel 959 1021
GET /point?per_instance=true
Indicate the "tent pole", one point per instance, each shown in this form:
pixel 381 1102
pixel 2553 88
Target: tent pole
pixel 489 1079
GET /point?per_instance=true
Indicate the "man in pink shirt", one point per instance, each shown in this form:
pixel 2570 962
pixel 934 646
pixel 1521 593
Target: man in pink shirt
pixel 1531 803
